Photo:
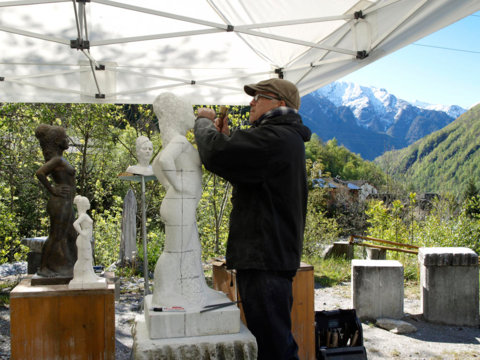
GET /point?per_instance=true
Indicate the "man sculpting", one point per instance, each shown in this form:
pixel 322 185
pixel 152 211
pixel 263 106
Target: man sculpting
pixel 266 166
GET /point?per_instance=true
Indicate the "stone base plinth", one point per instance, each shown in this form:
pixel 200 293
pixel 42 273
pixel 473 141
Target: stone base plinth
pixel 38 280
pixel 377 289
pixel 449 285
pixel 239 346
pixel 224 320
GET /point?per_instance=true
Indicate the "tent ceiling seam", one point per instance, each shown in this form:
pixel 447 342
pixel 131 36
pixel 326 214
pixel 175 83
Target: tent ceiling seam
pixel 49 74
pixel 187 81
pixel 298 42
pixel 154 37
pixel 419 5
pixel 34 35
pixel 161 14
pixel 40 86
pixel 346 29
pixel 294 22
pixel 30 2
pixel 379 6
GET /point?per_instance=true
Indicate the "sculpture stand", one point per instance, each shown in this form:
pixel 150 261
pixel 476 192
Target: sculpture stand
pixel 220 317
pixel 55 322
pixel 241 345
pixel 142 179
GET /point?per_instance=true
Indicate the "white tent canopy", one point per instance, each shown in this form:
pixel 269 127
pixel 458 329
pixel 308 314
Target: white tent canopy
pixel 129 51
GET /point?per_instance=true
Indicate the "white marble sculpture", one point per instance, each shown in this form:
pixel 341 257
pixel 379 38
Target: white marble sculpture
pixel 179 278
pixel 83 275
pixel 144 150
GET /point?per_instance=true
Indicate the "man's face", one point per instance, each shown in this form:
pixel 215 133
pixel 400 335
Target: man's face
pixel 262 105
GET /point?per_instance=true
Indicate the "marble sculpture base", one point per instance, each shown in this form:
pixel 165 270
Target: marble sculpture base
pixel 160 325
pixel 239 346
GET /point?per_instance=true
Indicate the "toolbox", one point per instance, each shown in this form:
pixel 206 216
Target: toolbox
pixel 338 335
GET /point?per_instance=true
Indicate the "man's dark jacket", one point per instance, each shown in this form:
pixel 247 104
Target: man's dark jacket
pixel 266 166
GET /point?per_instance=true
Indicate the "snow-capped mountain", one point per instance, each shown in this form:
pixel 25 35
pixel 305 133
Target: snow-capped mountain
pixel 376 108
pixel 384 121
pixel 452 110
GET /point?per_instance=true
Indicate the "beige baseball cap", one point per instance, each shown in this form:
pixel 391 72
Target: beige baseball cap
pixel 284 89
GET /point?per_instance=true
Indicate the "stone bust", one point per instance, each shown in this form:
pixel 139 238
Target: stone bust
pixel 144 148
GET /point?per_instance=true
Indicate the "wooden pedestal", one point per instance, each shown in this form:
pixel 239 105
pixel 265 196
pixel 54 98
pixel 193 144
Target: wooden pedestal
pixel 303 310
pixel 53 322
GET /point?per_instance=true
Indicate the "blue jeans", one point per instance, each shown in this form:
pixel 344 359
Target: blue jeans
pixel 267 302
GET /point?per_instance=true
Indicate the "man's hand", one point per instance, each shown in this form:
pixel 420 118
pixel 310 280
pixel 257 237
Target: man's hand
pixel 220 124
pixel 206 113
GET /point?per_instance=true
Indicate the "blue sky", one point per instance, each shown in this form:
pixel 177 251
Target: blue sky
pixel 432 75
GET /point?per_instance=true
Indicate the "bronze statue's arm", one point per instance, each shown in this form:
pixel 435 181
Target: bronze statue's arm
pixel 44 171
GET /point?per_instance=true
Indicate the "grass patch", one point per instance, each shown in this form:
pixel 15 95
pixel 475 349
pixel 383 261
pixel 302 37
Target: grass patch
pixel 330 272
pixel 411 289
pixel 5 288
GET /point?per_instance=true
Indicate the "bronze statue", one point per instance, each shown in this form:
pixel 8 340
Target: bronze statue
pixel 59 252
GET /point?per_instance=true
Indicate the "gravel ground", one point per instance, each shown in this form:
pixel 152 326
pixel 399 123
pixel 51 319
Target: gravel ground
pixel 430 341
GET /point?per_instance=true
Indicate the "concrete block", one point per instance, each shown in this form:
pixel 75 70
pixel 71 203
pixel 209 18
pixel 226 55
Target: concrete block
pixel 449 285
pixel 339 249
pixel 239 346
pixel 377 289
pixel 225 320
pixel 34 256
pixel 376 254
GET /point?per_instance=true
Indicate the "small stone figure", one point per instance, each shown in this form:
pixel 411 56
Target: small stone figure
pixel 178 277
pixel 128 245
pixel 83 275
pixel 144 149
pixel 59 252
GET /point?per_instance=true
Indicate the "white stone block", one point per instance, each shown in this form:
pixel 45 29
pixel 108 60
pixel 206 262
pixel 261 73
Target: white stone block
pixel 377 289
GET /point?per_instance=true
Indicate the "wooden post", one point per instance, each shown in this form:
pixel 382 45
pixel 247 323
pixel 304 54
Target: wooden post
pixel 303 309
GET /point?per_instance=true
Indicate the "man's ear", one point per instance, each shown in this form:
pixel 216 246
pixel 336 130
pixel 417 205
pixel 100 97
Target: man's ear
pixel 283 103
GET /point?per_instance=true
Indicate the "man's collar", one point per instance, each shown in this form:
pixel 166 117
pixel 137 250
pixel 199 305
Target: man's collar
pixel 279 111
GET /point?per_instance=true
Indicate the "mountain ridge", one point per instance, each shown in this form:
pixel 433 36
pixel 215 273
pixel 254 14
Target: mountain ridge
pixel 371 120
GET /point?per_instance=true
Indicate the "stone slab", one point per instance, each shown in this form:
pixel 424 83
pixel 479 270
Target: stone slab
pixel 239 346
pixel 447 256
pixel 35 244
pixel 377 289
pixel 38 280
pixel 225 320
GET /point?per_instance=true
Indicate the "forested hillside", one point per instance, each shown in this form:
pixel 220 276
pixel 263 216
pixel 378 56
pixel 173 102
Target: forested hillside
pixel 444 161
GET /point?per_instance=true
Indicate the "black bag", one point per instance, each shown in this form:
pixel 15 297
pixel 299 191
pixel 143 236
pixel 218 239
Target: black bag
pixel 338 335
